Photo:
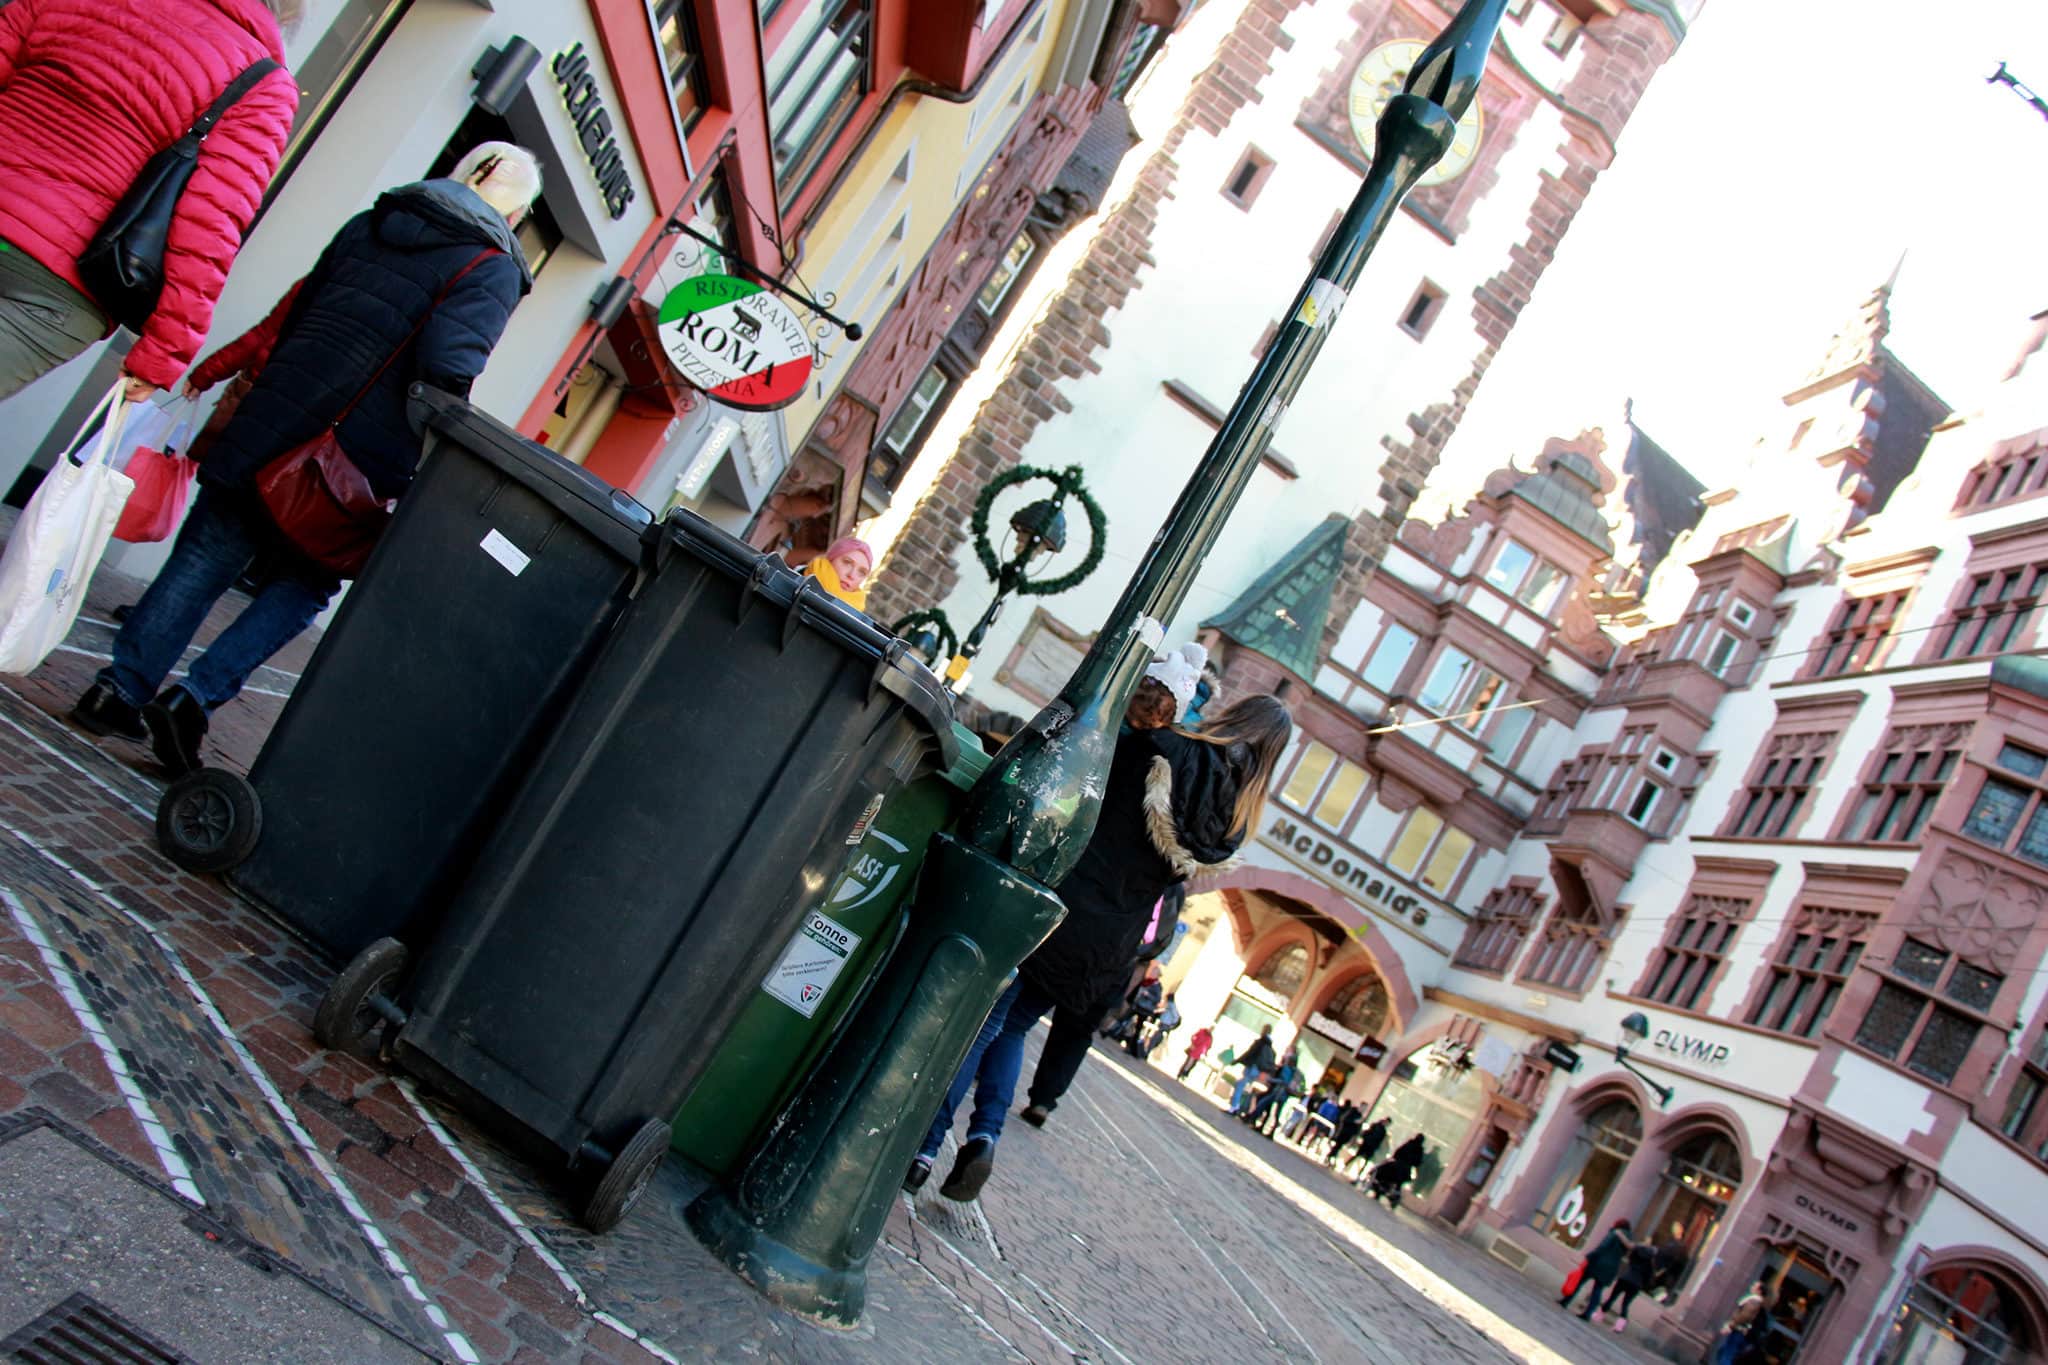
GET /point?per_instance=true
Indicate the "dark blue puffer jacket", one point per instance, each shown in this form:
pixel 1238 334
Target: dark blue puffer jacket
pixel 379 276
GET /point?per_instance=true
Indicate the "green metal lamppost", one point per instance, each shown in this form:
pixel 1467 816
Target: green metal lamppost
pixel 801 1221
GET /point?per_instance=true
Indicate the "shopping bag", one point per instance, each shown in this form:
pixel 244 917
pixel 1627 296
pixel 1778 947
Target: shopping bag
pixel 58 542
pixel 1572 1281
pixel 161 474
pixel 153 426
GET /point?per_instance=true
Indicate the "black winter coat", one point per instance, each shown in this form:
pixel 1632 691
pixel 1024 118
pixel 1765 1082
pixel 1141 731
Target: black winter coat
pixel 376 279
pixel 1166 814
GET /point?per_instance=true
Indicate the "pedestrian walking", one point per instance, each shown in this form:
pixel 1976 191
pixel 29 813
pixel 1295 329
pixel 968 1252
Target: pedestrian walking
pixel 1141 1005
pixel 1256 1060
pixel 90 92
pixel 1397 1170
pixel 1343 1130
pixel 1638 1273
pixel 1177 802
pixel 1744 1327
pixel 1282 1083
pixel 1602 1265
pixel 1198 1048
pixel 417 288
pixel 1674 1258
pixel 1370 1140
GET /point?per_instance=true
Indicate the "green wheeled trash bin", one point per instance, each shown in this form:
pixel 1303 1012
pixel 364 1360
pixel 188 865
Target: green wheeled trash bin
pixel 822 975
pixel 429 696
pixel 737 734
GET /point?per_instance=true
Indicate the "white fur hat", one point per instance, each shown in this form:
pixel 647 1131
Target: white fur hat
pixel 1180 670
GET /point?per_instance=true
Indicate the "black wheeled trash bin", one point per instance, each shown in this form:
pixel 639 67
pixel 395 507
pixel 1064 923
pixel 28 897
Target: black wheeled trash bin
pixel 429 696
pixel 713 778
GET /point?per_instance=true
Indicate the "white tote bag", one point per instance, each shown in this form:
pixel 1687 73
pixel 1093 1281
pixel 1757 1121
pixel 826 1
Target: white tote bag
pixel 58 542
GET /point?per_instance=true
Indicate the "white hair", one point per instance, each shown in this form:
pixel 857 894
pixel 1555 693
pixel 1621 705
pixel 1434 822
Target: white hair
pixel 504 175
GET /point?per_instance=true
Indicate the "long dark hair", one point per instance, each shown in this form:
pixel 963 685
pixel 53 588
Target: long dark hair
pixel 1263 725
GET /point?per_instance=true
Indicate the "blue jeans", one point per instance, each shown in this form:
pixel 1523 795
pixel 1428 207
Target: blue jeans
pixel 221 536
pixel 991 1067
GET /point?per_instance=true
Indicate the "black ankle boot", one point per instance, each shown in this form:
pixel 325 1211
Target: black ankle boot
pixel 177 724
pixel 101 711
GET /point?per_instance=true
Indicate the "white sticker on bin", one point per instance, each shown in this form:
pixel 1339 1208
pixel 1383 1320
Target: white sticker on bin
pixel 811 963
pixel 510 556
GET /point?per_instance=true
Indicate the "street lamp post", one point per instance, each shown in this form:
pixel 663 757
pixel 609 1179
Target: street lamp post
pixel 1039 531
pixel 800 1221
pixel 1037 804
pixel 1634 1031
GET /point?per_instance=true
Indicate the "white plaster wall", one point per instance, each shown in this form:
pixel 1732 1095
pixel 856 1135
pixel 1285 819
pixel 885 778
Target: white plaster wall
pixel 1223 275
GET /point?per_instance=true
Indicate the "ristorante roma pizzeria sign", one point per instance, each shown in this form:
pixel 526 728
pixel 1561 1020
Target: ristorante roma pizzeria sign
pixel 1358 878
pixel 736 341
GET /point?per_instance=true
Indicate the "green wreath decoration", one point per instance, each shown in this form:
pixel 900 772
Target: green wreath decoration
pixel 949 643
pixel 1068 481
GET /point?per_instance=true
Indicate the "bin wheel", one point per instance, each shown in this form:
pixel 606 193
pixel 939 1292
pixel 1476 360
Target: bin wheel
pixel 349 1010
pixel 625 1180
pixel 209 820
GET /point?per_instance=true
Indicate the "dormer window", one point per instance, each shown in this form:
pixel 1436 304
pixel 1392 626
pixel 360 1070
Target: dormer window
pixel 1531 580
pixel 1741 613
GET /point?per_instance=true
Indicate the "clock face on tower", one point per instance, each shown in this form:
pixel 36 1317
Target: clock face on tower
pixel 1378 79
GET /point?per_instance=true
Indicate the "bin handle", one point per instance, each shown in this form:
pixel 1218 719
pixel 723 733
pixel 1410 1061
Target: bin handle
pixel 757 585
pixel 801 607
pixel 886 667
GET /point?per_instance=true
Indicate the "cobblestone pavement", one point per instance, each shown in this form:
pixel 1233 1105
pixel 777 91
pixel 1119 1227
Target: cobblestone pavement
pixel 163 1024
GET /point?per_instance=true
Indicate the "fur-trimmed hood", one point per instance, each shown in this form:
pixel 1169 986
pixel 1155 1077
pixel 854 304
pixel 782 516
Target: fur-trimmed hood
pixel 1208 853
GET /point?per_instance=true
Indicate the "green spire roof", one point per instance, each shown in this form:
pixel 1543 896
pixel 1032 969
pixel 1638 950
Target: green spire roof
pixel 1283 612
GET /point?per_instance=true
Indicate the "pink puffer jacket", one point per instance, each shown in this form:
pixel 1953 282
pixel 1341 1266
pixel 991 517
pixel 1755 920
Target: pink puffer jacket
pixel 90 90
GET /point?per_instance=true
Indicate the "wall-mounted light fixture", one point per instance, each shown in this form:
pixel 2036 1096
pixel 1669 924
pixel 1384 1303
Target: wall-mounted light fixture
pixel 1634 1032
pixel 501 73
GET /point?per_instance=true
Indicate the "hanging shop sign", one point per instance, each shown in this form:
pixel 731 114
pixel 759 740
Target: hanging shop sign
pixel 1359 879
pixel 1370 1053
pixel 1562 1057
pixel 736 341
pixel 580 96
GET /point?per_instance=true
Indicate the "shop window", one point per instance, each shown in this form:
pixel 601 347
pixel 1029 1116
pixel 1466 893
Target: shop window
pixel 2017 470
pixel 1499 927
pixel 1422 309
pixel 1362 1005
pixel 1963 1315
pixel 1284 970
pixel 1429 851
pixel 1695 945
pixel 1796 1289
pixel 997 287
pixel 348 42
pixel 1436 1092
pixel 1389 658
pixel 539 233
pixel 1905 784
pixel 1859 638
pixel 676 29
pixel 1241 187
pixel 1780 785
pixel 1601 1150
pixel 816 78
pixel 1533 581
pixel 2025 1116
pixel 918 406
pixel 1810 968
pixel 1694 1190
pixel 2008 813
pixel 1928 1011
pixel 1991 612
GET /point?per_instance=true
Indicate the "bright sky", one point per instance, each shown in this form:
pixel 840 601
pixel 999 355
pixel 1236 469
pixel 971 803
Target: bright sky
pixel 1768 181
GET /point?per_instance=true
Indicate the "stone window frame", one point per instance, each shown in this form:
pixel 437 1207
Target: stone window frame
pixel 1839 903
pixel 2019 1108
pixel 2014 471
pixel 1570 949
pixel 1708 621
pixel 1861 635
pixel 1692 956
pixel 1792 761
pixel 1567 789
pixel 2005 772
pixel 1423 308
pixel 1495 934
pixel 1325 782
pixel 1433 848
pixel 2003 580
pixel 1248 176
pixel 1937 986
pixel 1904 781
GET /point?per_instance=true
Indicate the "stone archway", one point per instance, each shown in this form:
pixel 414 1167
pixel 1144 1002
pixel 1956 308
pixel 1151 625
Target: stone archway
pixel 1359 927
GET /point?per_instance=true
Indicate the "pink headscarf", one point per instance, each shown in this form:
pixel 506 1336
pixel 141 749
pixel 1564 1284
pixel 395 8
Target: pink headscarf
pixel 845 543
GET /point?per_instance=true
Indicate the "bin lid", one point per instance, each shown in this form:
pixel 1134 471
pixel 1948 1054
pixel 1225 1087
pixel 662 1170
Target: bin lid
pixel 607 513
pixel 973 760
pixel 897 670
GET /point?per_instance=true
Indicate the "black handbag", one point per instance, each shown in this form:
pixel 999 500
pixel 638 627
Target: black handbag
pixel 122 267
